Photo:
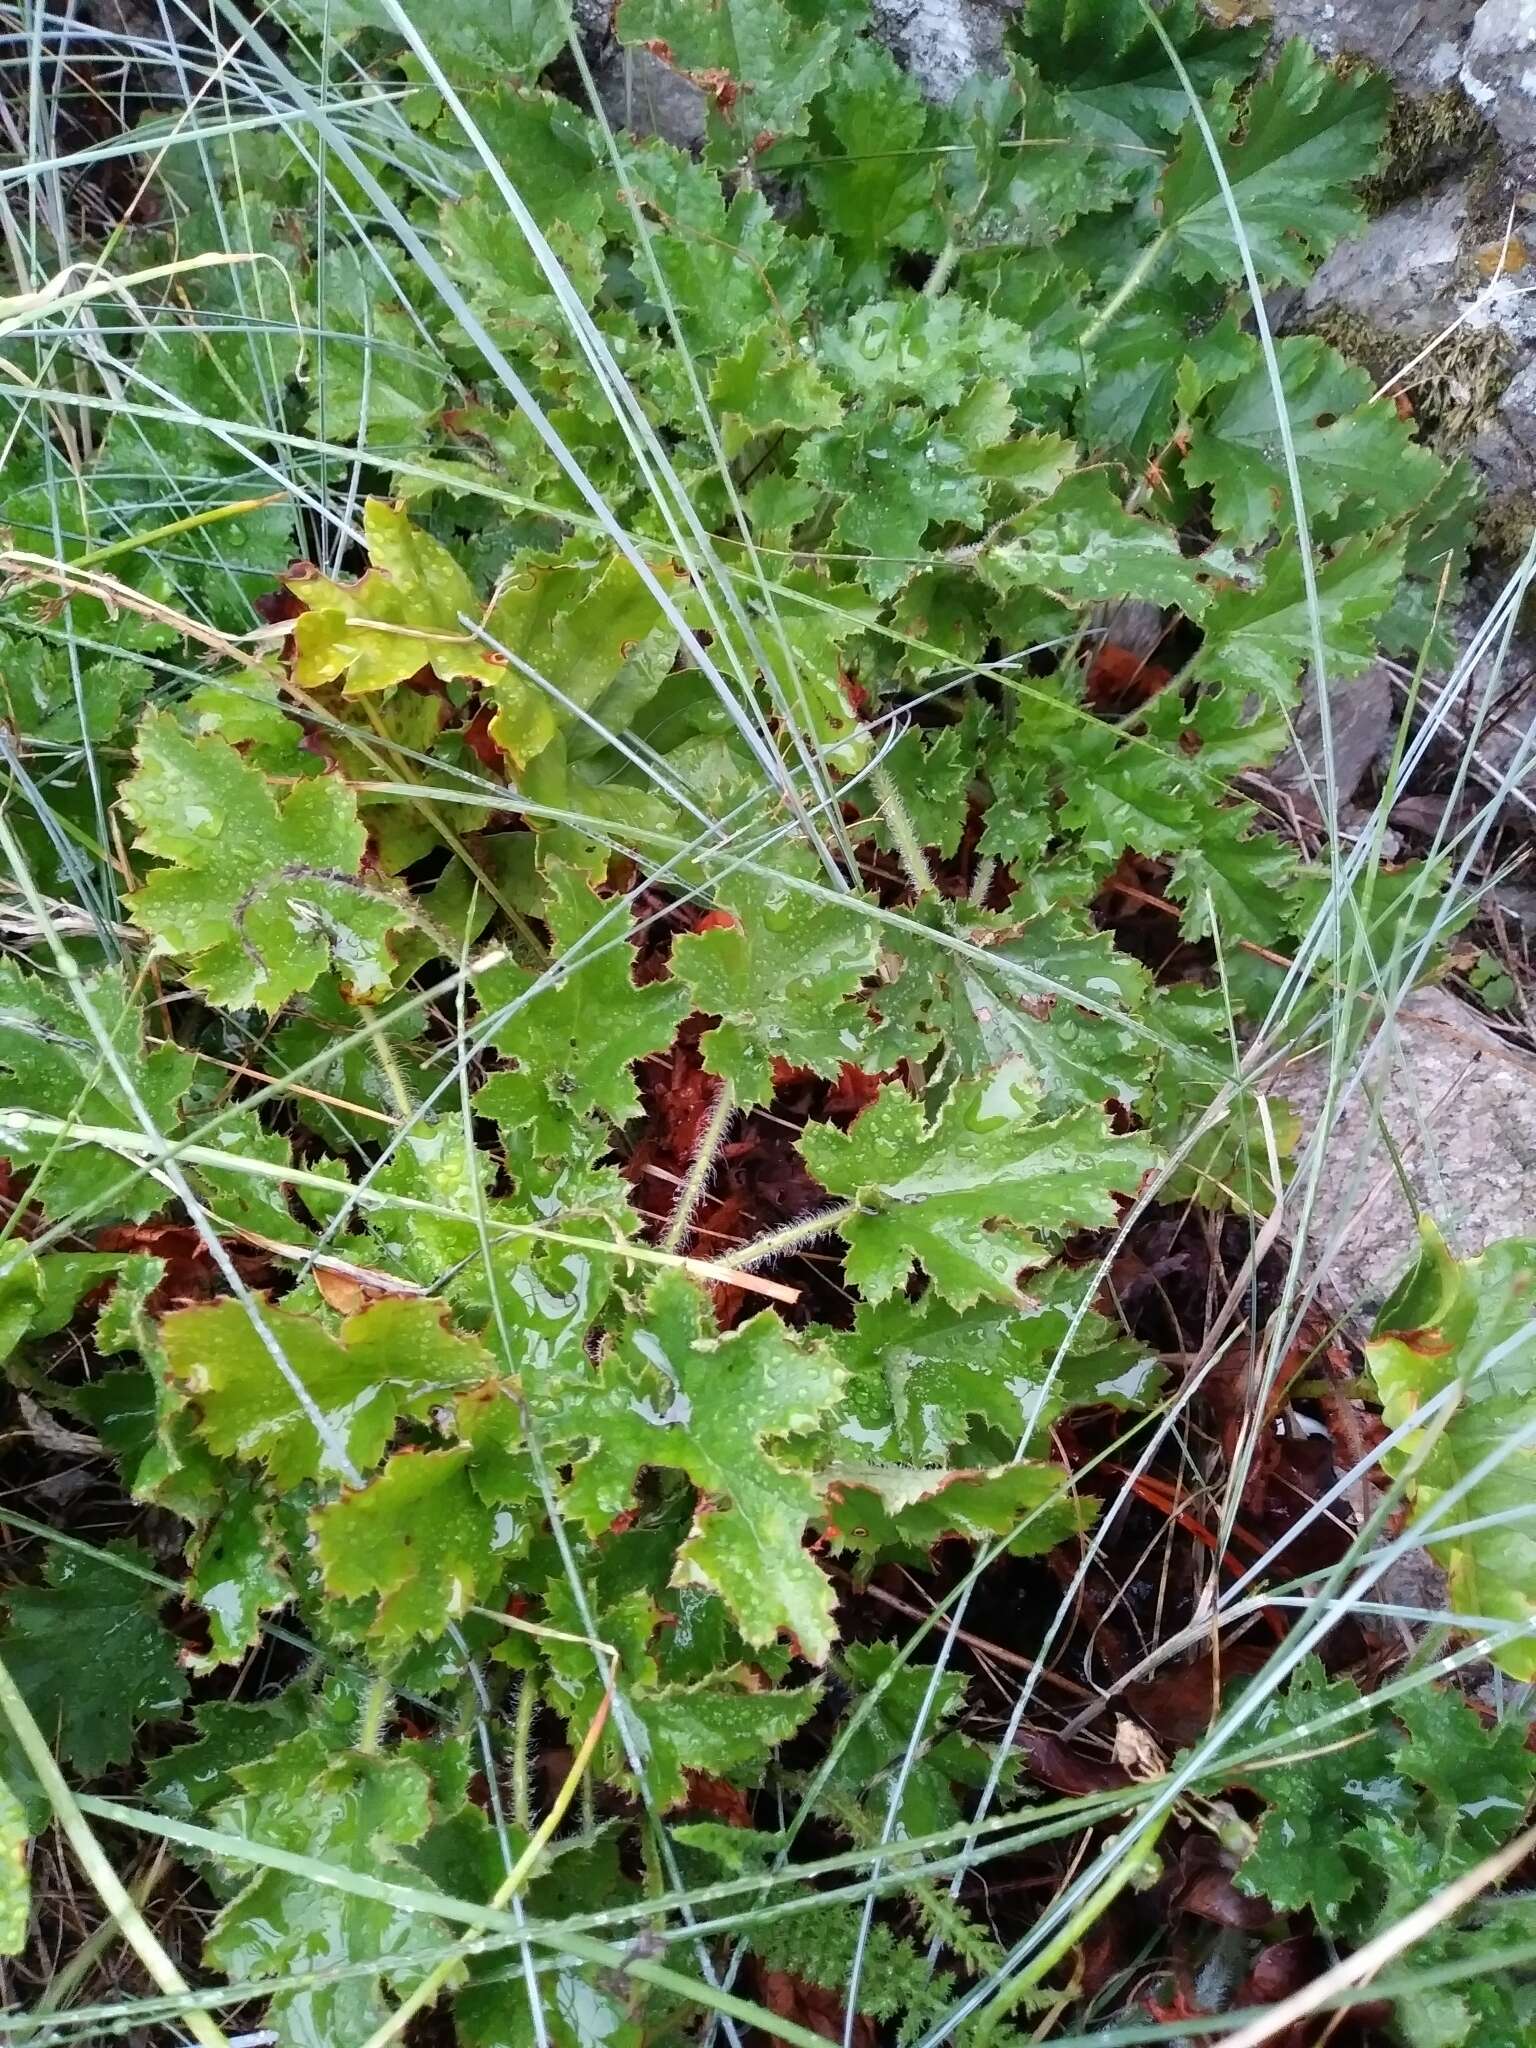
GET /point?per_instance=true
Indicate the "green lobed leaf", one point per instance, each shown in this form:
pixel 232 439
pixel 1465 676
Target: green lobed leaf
pixel 883 1508
pixel 1106 57
pixel 1233 879
pixel 1346 446
pixel 931 775
pixel 376 381
pixel 769 385
pixel 871 183
pixel 575 1043
pixel 41 696
pixel 878 1747
pixel 1019 1001
pixel 236 1573
pixel 751 43
pixel 352 1812
pixel 924 1377
pixel 728 264
pixel 1262 639
pixel 422 1538
pixel 54 1067
pixel 190 1779
pixel 89 1654
pixel 1304 1857
pixel 241 1200
pixel 1466 1325
pixel 259 896
pixel 1308 135
pixel 1082 544
pixel 721 1726
pixel 579 2006
pixel 1479 1778
pixel 782 977
pixel 494 38
pixel 672 1394
pixel 397 1358
pixel 1372 1814
pixel 1121 792
pixel 20 1297
pixel 967 1194
pixel 436 1162
pixel 929 349
pixel 893 474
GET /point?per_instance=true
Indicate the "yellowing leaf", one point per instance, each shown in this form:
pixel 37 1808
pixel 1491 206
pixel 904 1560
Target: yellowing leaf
pixel 574 619
pixel 404 614
pixel 15 1882
pixel 1469 1325
pixel 335 1407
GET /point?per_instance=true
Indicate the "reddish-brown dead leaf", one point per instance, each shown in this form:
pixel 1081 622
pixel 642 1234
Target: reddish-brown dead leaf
pixel 477 737
pixel 716 1799
pixel 820 2012
pixel 1119 678
pixel 190 1273
pixel 1066 1770
pixel 1282 1969
pixel 1203 1886
pixel 1180 1701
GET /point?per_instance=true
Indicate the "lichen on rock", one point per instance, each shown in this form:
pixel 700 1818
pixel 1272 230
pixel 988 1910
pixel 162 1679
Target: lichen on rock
pixel 944 42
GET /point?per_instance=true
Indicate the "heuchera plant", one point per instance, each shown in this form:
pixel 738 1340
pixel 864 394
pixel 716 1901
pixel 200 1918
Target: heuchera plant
pixel 622 972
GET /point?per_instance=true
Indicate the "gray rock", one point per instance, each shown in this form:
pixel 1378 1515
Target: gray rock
pixel 641 94
pixel 1499 67
pixel 1360 715
pixel 944 42
pixel 1414 1582
pixel 1402 271
pixel 1505 450
pixel 941 42
pixel 1418 41
pixel 1419 310
pixel 1460 1107
pixel 1492 719
pixel 1131 623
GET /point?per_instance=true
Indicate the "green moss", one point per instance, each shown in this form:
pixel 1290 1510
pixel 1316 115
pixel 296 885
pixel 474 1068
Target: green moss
pixel 1453 391
pixel 1504 530
pixel 1427 138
